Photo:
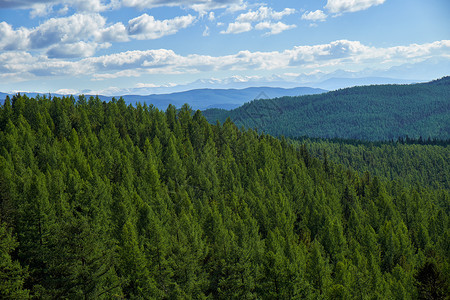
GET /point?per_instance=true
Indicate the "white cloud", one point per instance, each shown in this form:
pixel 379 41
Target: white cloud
pixel 80 35
pixel 342 54
pixel 211 16
pixel 11 39
pixel 120 74
pixel 15 62
pixel 74 50
pixel 85 31
pixel 151 59
pixel 264 13
pixel 78 27
pixel 316 16
pixel 275 28
pixel 145 27
pixel 341 6
pixel 302 55
pixel 237 27
pixel 114 33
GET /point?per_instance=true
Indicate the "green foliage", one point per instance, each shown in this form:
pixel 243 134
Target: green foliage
pixel 378 112
pixel 12 275
pixel 108 201
pixel 413 163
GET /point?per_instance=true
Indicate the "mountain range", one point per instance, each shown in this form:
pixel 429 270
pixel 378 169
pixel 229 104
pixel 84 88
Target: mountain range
pixel 207 98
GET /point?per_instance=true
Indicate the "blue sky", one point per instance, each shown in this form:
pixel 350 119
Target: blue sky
pixel 140 46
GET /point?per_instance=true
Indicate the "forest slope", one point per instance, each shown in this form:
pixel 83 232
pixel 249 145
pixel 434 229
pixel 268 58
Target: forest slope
pixel 103 200
pixel 426 163
pixel 379 112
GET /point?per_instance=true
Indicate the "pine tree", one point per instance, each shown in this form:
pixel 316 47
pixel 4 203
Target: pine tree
pixel 12 275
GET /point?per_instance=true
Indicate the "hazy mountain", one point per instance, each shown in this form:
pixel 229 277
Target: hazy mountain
pixel 435 67
pixel 210 98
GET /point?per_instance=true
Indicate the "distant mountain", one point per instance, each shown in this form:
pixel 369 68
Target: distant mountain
pixel 219 98
pixel 209 98
pixel 433 67
pixel 376 112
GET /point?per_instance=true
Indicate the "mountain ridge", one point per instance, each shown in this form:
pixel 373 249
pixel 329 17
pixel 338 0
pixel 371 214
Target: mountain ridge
pixel 373 112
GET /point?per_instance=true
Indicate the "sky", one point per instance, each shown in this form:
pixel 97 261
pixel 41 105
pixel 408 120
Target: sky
pixel 140 46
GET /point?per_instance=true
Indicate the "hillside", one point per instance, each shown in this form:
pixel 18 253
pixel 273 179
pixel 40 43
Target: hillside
pixel 378 112
pixel 100 200
pixel 411 163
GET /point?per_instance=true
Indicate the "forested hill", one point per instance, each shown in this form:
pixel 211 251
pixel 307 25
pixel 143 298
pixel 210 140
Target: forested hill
pixel 378 112
pixel 100 200
pixel 414 162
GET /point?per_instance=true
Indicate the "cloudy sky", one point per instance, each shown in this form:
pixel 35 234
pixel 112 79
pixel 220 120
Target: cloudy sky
pixel 112 46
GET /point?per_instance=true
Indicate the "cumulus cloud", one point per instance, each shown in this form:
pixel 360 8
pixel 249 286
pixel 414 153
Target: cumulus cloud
pixel 87 28
pixel 341 6
pixel 80 35
pixel 11 39
pixel 237 27
pixel 66 30
pixel 315 16
pixel 74 50
pixel 114 33
pixel 145 27
pixel 336 54
pixel 119 74
pixel 264 16
pixel 301 55
pixel 341 51
pixel 275 28
pixel 15 62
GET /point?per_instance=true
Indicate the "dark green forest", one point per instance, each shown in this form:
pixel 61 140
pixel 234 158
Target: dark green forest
pixel 416 162
pixel 371 113
pixel 100 200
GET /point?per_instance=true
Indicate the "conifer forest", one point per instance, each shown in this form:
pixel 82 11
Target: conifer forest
pixel 105 200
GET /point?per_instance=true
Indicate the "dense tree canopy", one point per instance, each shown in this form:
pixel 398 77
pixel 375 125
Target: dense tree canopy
pixel 410 162
pixel 103 200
